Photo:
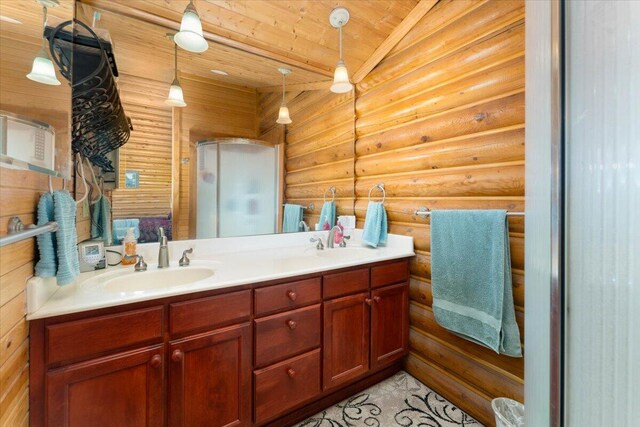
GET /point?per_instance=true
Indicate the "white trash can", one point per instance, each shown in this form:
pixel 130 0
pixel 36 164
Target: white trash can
pixel 509 413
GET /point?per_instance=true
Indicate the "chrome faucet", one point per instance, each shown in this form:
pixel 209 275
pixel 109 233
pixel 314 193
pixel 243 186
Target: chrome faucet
pixel 163 253
pixel 303 226
pixel 140 265
pixel 332 236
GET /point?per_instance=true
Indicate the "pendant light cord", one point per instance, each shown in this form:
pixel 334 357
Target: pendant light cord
pixel 175 61
pixel 284 83
pixel 340 32
pixel 44 27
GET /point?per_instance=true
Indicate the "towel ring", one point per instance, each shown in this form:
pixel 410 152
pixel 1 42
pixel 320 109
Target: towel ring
pixel 333 194
pixel 381 188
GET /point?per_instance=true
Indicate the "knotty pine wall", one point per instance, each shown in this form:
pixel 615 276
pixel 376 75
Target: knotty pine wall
pixel 440 121
pixel 148 150
pixel 19 195
pixel 319 148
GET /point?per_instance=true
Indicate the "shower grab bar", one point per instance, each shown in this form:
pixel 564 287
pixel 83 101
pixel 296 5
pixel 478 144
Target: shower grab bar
pixel 16 231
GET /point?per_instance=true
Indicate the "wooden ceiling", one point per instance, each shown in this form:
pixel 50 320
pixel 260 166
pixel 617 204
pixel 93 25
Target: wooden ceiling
pixel 249 39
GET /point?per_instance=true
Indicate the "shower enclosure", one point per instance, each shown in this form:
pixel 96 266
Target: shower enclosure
pixel 237 188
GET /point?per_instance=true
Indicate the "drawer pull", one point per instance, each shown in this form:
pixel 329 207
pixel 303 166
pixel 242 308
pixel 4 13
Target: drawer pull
pixel 176 356
pixel 367 301
pixel 292 295
pixel 156 361
pixel 292 324
pixel 377 299
pixel 291 372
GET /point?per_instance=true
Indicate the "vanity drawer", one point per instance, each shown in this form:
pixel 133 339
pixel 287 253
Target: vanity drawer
pixel 350 282
pixel 210 312
pixel 283 335
pixel 287 296
pixel 81 339
pixel 286 384
pixel 389 274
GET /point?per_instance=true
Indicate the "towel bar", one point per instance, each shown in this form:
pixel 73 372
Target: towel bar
pixel 425 212
pixel 16 231
pixel 310 207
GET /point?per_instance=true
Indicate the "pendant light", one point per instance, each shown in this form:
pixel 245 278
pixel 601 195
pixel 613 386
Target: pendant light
pixel 341 84
pixel 283 113
pixel 42 69
pixel 176 97
pixel 190 36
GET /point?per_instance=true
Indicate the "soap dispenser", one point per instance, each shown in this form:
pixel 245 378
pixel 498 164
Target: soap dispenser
pixel 129 248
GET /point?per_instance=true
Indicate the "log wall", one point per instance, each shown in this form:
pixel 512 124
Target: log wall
pixel 440 121
pixel 148 150
pixel 319 148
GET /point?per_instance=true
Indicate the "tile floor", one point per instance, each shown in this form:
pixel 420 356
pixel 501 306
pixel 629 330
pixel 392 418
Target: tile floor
pixel 400 400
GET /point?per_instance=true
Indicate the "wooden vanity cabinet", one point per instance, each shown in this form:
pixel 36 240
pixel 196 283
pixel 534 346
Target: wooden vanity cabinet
pixel 123 389
pixel 268 354
pixel 210 379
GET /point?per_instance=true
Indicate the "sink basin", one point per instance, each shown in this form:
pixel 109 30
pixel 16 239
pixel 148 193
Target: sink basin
pixel 156 279
pixel 345 253
pixel 127 282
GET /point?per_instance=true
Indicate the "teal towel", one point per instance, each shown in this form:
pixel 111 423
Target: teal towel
pixel 471 277
pixel 375 225
pixel 291 218
pixel 328 213
pixel 64 207
pixel 46 266
pixel 101 221
pixel 120 227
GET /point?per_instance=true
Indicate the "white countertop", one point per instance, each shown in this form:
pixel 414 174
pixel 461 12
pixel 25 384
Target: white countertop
pixel 235 261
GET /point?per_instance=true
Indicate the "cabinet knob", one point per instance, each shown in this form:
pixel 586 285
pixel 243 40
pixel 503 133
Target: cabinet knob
pixel 292 324
pixel 176 356
pixel 291 372
pixel 367 301
pixel 156 361
pixel 292 295
pixel 377 299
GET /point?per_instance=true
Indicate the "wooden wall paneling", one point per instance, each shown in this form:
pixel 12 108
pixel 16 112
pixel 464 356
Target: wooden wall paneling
pixel 19 192
pixel 444 129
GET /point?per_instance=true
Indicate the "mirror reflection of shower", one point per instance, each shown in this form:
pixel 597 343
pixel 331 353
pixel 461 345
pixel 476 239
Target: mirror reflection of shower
pixel 237 188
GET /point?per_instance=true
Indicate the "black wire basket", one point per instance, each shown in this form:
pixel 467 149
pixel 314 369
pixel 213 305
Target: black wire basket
pixel 99 124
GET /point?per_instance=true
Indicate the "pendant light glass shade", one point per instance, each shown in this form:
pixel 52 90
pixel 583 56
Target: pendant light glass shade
pixel 176 96
pixel 283 115
pixel 42 70
pixel 190 36
pixel 341 83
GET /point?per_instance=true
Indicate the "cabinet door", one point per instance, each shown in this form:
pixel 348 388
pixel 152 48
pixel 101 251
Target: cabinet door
pixel 125 389
pixel 346 339
pixel 210 379
pixel 389 324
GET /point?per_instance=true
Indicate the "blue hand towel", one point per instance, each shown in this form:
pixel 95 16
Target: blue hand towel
pixel 291 218
pixel 471 277
pixel 328 213
pixel 47 265
pixel 375 225
pixel 64 207
pixel 101 220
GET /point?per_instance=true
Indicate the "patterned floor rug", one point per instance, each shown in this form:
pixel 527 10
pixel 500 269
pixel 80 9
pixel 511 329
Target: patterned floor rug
pixel 400 400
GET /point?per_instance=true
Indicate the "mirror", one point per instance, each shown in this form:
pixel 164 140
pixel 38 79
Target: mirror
pixel 35 99
pixel 220 166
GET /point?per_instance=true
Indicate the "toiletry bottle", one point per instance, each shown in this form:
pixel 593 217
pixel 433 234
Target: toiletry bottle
pixel 325 224
pixel 129 247
pixel 339 234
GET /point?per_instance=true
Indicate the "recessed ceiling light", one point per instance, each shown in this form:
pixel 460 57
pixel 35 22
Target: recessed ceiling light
pixel 222 73
pixel 9 20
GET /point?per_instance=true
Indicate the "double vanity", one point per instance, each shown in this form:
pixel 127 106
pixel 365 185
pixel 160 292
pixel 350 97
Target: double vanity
pixel 261 330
